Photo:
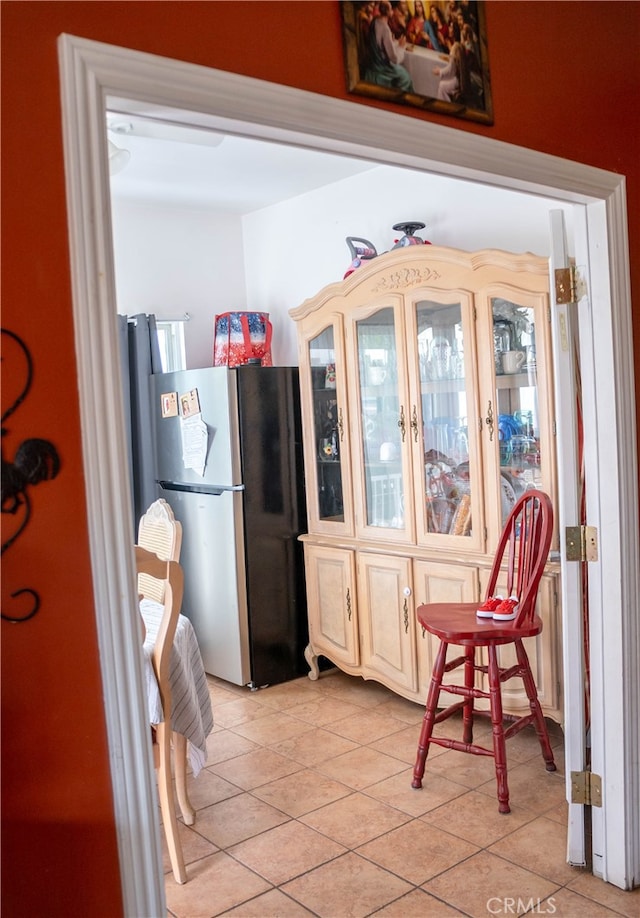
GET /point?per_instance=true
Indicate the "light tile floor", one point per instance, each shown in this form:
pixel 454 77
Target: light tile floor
pixel 306 808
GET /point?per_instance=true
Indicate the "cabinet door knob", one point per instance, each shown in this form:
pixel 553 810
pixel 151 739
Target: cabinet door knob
pixel 407 591
pixel 489 420
pixel 414 424
pixel 401 423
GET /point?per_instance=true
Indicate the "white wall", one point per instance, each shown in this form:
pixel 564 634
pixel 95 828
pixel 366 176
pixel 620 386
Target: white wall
pixel 170 260
pixel 295 248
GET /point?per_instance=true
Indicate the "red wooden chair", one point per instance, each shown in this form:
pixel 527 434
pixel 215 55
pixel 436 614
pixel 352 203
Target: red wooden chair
pixel 521 555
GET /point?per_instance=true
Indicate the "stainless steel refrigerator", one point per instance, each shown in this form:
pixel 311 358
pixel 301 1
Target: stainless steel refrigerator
pixel 229 462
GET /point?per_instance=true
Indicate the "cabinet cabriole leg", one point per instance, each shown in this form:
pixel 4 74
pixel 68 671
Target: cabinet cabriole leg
pixel 312 659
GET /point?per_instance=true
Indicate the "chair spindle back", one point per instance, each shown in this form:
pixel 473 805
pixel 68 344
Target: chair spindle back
pixel 522 551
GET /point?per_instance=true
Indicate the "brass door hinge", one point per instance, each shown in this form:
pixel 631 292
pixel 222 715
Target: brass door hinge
pixel 582 543
pixel 565 285
pixel 570 285
pixel 586 788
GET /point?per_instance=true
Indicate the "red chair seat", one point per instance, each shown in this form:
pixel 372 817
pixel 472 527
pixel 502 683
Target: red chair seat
pixel 521 553
pixel 457 623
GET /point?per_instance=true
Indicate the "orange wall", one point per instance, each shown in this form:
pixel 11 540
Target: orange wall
pixel 565 81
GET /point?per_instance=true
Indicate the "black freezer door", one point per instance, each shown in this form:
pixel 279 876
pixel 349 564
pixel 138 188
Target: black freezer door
pixel 274 516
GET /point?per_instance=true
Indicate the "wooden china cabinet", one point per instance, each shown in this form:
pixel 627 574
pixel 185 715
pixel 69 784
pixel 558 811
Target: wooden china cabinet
pixel 427 405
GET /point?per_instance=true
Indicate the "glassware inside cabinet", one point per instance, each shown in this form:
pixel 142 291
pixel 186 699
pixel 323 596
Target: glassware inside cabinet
pixel 381 419
pixel 447 483
pixel 328 426
pixel 516 402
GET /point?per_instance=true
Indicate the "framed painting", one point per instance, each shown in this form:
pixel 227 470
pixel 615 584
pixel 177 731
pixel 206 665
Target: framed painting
pixel 430 55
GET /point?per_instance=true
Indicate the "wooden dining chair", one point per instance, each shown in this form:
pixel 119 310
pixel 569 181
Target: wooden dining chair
pixel 160 532
pixel 520 557
pixel 166 576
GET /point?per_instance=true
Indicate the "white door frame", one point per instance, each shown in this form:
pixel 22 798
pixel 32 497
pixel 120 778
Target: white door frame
pixel 91 72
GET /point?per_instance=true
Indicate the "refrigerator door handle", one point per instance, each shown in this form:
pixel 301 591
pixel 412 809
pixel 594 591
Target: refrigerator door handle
pixel 214 490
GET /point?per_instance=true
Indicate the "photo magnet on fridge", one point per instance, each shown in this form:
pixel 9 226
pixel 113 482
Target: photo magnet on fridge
pixel 169 401
pixel 190 403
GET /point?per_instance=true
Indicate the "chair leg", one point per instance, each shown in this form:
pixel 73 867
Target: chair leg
pixel 534 704
pixel 180 768
pixel 467 711
pixel 167 804
pixel 429 715
pixel 499 745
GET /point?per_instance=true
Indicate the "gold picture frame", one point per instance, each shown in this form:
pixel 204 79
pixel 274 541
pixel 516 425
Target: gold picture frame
pixel 405 52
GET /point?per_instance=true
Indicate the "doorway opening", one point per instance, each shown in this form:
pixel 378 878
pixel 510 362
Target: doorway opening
pixel 90 72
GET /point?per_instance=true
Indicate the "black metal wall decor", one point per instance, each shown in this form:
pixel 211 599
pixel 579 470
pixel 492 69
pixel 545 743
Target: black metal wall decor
pixel 35 460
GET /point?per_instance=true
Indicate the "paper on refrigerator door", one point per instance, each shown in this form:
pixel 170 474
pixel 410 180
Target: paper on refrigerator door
pixel 194 443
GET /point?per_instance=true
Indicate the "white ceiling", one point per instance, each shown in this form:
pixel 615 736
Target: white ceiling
pixel 171 163
pixel 194 160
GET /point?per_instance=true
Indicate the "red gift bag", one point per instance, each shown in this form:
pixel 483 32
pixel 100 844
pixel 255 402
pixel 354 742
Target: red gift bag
pixel 241 336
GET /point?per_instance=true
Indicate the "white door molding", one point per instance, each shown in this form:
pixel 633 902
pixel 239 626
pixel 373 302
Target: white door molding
pixel 614 581
pixel 91 72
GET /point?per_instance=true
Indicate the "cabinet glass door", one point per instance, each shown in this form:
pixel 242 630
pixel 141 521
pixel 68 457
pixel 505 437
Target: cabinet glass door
pixel 517 412
pixel 328 423
pixel 383 424
pixel 449 448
